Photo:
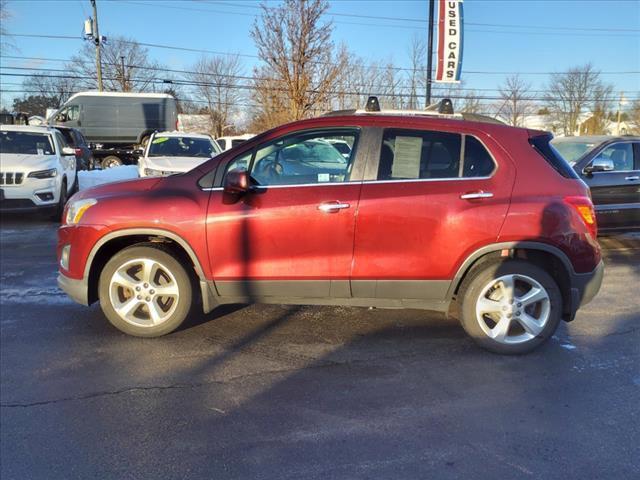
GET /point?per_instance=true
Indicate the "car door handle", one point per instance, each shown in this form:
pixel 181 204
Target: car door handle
pixel 330 207
pixel 476 195
pixel 633 177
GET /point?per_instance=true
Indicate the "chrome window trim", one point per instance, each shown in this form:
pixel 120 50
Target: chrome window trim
pixel 266 187
pixel 463 141
pixel 420 180
pixel 360 182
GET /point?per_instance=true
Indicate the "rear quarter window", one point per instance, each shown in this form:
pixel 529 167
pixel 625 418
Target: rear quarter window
pixel 542 145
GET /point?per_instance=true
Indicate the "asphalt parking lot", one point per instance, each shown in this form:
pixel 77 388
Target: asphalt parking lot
pixel 309 392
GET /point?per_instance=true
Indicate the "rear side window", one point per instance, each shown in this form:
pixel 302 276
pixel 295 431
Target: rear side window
pixel 477 161
pixel 412 155
pixel 542 145
pixel 68 137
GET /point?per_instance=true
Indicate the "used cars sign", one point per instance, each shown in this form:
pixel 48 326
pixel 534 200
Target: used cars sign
pixel 449 41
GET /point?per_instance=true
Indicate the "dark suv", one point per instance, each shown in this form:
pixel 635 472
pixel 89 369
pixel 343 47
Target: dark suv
pixel 75 139
pixel 610 166
pixel 425 211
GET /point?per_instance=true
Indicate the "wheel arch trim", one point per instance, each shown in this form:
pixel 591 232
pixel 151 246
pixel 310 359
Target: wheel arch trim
pixel 131 232
pixel 496 247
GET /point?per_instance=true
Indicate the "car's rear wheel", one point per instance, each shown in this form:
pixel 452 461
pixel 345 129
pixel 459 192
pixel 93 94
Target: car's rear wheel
pixel 144 291
pixel 110 162
pixel 510 307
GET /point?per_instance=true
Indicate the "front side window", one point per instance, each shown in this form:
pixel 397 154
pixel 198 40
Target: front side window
pixel 414 155
pixel 26 143
pixel 620 154
pixel 164 146
pixel 304 158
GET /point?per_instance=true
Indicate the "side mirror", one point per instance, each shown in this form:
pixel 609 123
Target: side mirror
pixel 61 117
pixel 68 151
pixel 600 165
pixel 236 182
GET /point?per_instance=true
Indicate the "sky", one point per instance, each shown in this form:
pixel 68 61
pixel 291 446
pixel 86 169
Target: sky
pixel 525 36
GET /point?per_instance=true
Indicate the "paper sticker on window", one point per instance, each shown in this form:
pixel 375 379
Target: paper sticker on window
pixel 323 177
pixel 406 160
pixel 159 140
pixel 40 151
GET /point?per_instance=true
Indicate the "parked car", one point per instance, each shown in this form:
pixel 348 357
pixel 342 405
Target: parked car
pixel 227 143
pixel 610 166
pixel 168 153
pixel 37 169
pixel 428 211
pixel 117 123
pixel 75 139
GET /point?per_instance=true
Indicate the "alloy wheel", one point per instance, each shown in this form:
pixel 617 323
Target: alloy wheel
pixel 143 292
pixel 513 309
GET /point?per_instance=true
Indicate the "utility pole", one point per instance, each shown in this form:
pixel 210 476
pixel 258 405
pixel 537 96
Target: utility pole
pixel 430 53
pixel 124 81
pixel 96 40
pixel 620 104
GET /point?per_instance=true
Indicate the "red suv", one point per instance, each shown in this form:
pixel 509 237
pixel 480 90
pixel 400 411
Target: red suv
pixel 423 211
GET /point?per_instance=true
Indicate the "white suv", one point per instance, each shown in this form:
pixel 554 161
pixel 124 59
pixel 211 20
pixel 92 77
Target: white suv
pixel 168 153
pixel 37 169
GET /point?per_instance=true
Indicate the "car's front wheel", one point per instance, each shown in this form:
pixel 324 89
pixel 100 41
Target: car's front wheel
pixel 510 307
pixel 144 291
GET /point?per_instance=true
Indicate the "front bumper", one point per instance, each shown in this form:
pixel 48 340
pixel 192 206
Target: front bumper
pixel 78 290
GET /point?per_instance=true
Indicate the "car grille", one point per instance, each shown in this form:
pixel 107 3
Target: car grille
pixel 9 203
pixel 11 178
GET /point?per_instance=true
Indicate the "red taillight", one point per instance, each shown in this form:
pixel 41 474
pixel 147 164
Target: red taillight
pixel 584 207
pixel 78 153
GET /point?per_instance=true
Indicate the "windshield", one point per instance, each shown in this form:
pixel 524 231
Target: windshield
pixel 183 147
pixel 26 143
pixel 572 151
pixel 312 151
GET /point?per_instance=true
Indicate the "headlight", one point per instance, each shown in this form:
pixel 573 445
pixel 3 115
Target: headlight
pixel 52 172
pixel 151 172
pixel 76 210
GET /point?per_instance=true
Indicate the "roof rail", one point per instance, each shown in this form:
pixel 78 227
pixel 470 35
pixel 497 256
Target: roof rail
pixel 443 108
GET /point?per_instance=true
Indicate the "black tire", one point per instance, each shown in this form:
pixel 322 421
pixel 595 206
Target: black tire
pixel 111 161
pixel 475 283
pixel 185 300
pixel 62 201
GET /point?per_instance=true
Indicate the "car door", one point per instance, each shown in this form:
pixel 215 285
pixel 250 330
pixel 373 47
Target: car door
pixel 67 162
pixel 292 234
pixel 616 193
pixel 433 198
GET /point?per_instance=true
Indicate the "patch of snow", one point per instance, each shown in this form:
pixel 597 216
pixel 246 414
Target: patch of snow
pixel 91 178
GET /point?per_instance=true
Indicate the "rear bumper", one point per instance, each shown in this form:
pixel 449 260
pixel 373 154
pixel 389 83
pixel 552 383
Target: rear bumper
pixel 585 286
pixel 78 290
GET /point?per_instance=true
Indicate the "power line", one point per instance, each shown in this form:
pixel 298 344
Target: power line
pixel 425 21
pixel 591 34
pixel 240 77
pixel 214 52
pixel 383 94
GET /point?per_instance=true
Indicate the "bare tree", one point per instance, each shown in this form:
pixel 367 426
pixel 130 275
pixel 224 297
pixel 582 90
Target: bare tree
pixel 417 74
pixel 471 103
pixel 516 100
pixel 6 42
pixel 634 114
pixel 301 66
pixel 140 74
pixel 572 93
pixel 217 83
pixel 58 88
